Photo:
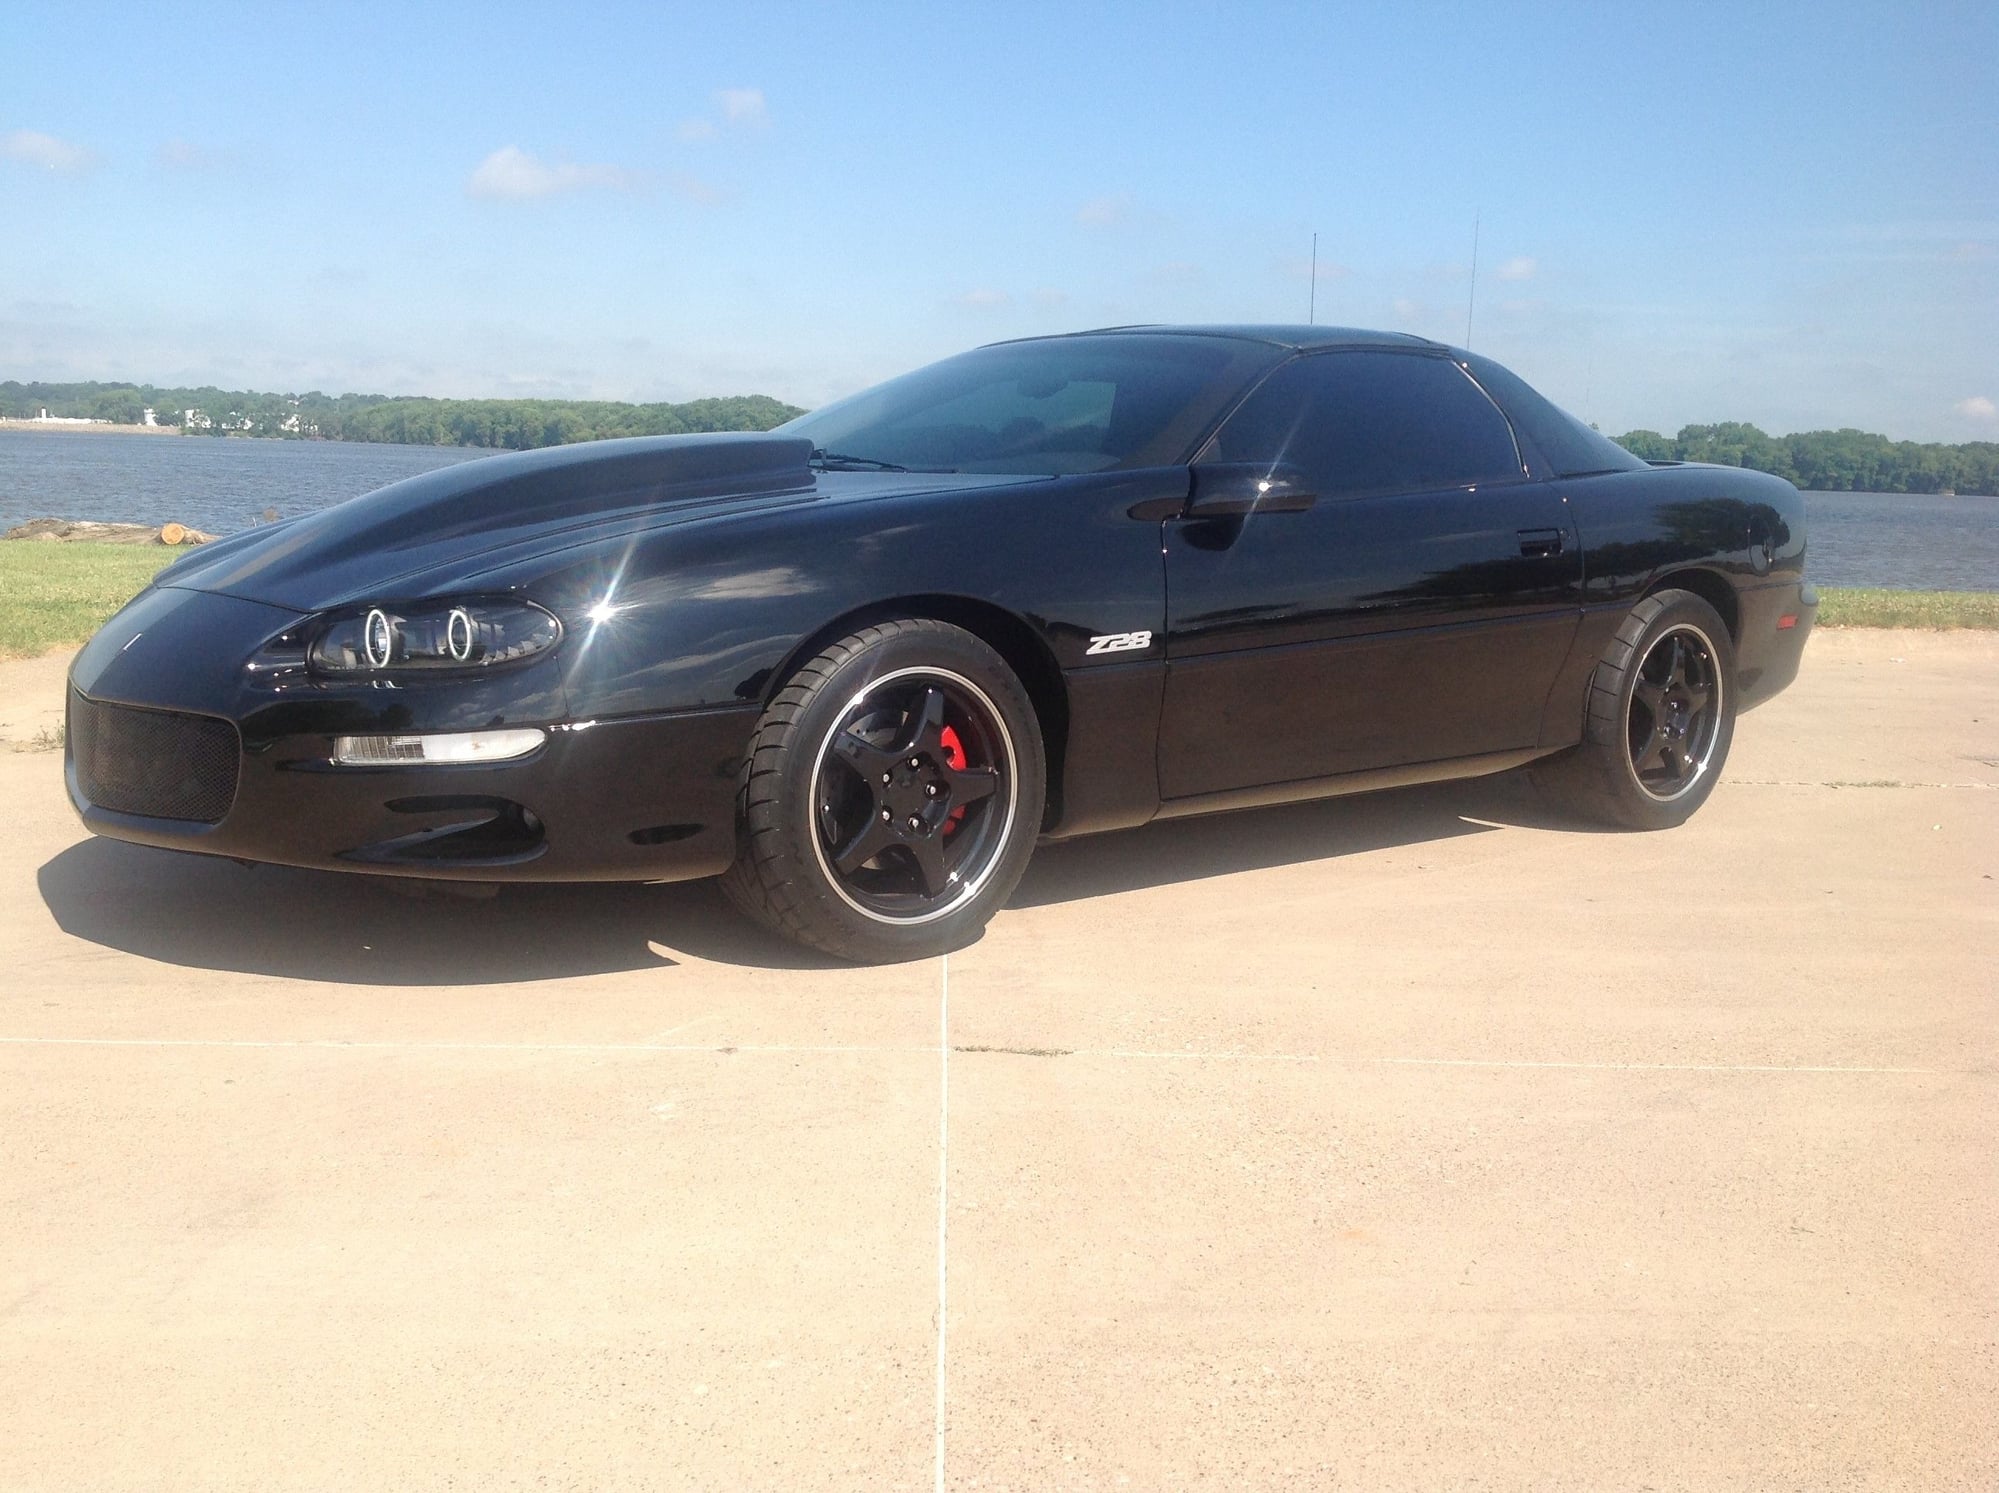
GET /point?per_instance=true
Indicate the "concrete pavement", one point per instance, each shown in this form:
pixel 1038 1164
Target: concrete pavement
pixel 1417 1141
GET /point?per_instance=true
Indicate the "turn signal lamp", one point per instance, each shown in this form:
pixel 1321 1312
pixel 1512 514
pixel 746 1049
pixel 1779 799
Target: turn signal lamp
pixel 439 748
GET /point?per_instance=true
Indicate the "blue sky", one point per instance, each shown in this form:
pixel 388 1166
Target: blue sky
pixel 1786 214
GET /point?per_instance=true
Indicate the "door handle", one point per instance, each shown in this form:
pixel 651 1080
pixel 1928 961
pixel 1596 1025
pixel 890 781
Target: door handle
pixel 1539 544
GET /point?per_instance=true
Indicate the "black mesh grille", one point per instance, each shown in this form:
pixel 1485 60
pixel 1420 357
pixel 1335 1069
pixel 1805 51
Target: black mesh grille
pixel 159 763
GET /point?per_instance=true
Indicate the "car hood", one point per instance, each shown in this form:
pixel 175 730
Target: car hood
pixel 473 516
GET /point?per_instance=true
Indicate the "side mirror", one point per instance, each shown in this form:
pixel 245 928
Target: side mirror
pixel 1230 489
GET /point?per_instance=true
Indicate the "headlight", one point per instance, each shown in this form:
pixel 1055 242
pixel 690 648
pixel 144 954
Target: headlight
pixel 463 635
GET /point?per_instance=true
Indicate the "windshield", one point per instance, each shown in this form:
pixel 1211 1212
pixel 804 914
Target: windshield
pixel 1058 406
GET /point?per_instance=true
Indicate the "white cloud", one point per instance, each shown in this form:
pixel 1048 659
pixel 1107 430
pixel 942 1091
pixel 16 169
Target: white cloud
pixel 1520 267
pixel 1049 298
pixel 694 189
pixel 983 299
pixel 512 173
pixel 1407 310
pixel 34 148
pixel 1105 212
pixel 1978 407
pixel 738 107
pixel 742 105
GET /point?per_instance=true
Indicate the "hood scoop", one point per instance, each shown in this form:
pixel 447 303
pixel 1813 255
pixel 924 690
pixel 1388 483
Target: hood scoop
pixel 369 543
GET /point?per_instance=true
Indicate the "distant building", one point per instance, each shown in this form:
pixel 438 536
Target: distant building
pixel 45 418
pixel 149 417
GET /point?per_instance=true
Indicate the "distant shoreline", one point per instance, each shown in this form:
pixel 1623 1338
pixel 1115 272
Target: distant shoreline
pixel 113 428
pixel 95 427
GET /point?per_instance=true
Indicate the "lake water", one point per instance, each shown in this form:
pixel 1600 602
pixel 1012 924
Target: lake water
pixel 216 485
pixel 1857 539
pixel 1911 541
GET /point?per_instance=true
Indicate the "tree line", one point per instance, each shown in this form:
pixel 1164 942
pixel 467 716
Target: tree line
pixel 1830 460
pixel 503 424
pixel 1822 460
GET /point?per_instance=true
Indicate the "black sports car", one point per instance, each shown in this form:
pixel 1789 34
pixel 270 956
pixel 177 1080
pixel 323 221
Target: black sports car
pixel 859 665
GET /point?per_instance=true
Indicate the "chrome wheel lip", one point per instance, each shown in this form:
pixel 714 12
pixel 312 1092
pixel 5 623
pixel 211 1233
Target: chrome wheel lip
pixel 1709 720
pixel 970 886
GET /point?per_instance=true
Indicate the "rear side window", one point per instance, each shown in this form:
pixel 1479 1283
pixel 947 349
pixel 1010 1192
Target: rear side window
pixel 1373 422
pixel 1571 447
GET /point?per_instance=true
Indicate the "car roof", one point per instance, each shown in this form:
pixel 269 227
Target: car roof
pixel 1299 337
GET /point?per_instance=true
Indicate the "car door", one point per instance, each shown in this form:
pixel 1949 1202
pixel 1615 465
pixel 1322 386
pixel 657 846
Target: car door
pixel 1413 605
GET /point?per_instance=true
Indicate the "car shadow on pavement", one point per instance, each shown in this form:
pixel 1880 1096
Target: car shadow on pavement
pixel 206 913
pixel 1175 850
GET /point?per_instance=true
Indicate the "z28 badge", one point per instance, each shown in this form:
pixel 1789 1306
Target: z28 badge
pixel 1119 642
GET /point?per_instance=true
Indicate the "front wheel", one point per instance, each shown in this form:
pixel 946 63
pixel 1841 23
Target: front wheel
pixel 891 795
pixel 1658 721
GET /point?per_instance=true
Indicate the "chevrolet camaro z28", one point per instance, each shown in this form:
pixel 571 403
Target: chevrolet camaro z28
pixel 859 665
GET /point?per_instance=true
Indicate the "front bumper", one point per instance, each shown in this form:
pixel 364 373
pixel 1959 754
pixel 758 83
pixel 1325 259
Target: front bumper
pixel 177 741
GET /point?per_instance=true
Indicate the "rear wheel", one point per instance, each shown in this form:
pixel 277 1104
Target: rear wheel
pixel 1658 721
pixel 891 796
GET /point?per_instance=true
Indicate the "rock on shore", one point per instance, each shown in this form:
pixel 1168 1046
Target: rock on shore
pixel 83 530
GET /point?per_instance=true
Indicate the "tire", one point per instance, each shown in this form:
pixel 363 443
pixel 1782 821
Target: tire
pixel 1657 719
pixel 891 795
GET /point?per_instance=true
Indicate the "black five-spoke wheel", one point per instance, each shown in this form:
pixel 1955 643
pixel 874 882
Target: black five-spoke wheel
pixel 1659 719
pixel 1675 714
pixel 891 795
pixel 913 791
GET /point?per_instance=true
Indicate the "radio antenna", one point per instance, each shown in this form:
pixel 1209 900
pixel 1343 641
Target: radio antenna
pixel 1312 304
pixel 1471 299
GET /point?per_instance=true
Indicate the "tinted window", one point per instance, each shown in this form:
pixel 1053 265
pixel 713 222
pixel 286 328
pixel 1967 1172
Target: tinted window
pixel 1368 422
pixel 1058 405
pixel 1569 446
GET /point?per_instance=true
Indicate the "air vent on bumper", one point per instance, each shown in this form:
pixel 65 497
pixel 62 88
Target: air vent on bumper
pixel 158 763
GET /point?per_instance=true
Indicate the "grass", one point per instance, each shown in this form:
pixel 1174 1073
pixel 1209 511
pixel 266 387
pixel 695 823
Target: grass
pixel 45 740
pixel 1935 610
pixel 57 595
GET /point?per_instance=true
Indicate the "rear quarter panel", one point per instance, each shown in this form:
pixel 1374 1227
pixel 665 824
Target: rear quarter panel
pixel 1733 536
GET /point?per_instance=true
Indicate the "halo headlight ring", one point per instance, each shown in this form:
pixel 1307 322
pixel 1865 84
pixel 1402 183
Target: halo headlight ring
pixel 387 641
pixel 459 633
pixel 378 639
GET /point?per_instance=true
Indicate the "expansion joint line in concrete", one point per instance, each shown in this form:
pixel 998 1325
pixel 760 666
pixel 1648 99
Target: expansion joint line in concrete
pixel 943 1183
pixel 851 1049
pixel 1853 783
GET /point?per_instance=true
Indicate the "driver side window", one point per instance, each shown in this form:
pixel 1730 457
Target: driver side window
pixel 1373 422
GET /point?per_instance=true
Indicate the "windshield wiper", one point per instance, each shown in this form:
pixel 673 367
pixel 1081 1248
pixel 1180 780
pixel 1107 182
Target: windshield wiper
pixel 834 461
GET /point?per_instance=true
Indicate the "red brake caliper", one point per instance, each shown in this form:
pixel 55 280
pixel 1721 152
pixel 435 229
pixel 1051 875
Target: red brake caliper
pixel 954 754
